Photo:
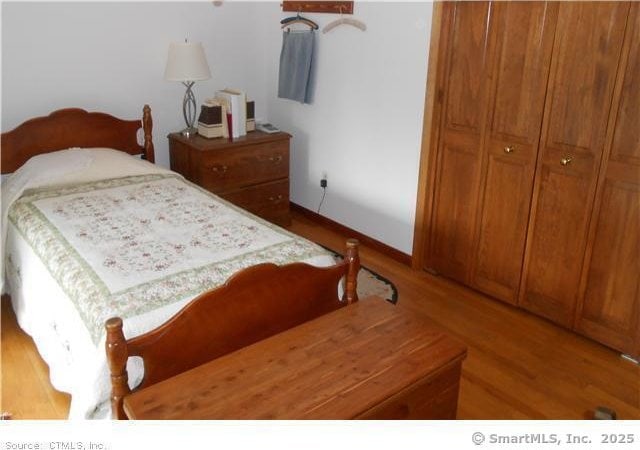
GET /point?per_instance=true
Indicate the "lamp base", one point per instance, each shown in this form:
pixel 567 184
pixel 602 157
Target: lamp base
pixel 189 106
pixel 189 132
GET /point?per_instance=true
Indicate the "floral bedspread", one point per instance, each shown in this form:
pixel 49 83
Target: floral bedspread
pixel 125 246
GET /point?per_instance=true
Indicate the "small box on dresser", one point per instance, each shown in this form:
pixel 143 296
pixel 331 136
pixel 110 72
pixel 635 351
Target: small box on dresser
pixel 251 171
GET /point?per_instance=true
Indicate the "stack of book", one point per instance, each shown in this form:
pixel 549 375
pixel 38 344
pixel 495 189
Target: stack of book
pixel 212 120
pixel 227 115
pixel 236 108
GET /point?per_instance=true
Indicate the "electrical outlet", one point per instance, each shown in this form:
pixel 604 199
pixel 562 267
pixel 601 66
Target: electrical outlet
pixel 323 183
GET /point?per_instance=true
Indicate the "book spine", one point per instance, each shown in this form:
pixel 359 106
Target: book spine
pixel 230 129
pixel 242 114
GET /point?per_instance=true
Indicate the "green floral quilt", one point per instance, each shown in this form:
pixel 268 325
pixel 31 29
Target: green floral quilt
pixel 125 246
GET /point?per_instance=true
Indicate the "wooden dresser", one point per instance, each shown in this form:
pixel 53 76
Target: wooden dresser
pixel 251 171
pixel 368 360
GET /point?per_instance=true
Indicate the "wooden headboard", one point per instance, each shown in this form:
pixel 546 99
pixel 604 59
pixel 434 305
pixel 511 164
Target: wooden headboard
pixel 74 127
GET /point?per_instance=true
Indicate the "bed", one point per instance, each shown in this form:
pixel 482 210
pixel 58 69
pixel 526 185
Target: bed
pixel 91 232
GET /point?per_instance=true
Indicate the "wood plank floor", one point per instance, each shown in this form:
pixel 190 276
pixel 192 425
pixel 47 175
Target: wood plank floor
pixel 518 366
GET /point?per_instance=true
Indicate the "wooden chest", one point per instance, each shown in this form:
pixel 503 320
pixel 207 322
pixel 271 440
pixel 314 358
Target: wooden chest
pixel 368 360
pixel 251 171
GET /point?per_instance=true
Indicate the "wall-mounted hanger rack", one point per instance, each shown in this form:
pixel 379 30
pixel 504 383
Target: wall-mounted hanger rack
pixel 344 21
pixel 318 7
pixel 287 21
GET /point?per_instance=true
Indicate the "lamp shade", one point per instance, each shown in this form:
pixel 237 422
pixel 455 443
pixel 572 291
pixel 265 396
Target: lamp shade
pixel 186 62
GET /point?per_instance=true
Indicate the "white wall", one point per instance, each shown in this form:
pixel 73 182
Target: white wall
pixel 364 126
pixel 111 57
pixel 363 129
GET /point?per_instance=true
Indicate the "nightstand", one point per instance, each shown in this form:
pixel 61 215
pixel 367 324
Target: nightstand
pixel 251 171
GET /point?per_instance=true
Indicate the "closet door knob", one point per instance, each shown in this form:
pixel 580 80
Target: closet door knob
pixel 566 160
pixel 509 149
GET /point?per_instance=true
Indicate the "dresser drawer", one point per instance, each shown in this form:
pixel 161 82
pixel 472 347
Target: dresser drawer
pixel 244 166
pixel 251 171
pixel 269 201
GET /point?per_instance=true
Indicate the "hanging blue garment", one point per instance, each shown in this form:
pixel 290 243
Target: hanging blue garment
pixel 296 60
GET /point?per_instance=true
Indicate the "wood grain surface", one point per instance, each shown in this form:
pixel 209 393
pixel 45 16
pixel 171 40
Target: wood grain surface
pixel 251 171
pixel 338 366
pixel 586 56
pixel 253 304
pixel 609 305
pixel 523 37
pixel 75 127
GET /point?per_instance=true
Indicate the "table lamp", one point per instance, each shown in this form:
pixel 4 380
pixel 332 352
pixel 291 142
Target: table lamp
pixel 188 64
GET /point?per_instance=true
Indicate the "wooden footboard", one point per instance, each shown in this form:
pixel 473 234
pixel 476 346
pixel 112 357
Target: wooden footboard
pixel 254 304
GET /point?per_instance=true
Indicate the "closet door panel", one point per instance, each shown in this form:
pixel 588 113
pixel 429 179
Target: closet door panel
pixel 585 59
pixel 611 306
pixel 525 38
pixel 525 31
pixel 503 226
pixel 625 151
pixel 463 85
pixel 453 221
pixel 466 84
pixel 552 282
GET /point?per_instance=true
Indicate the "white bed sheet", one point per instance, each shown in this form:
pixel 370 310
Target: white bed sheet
pixel 77 365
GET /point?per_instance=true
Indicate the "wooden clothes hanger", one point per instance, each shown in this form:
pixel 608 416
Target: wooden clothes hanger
pixel 298 19
pixel 344 21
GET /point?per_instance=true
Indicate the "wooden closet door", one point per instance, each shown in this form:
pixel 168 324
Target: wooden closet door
pixel 586 54
pixel 610 311
pixel 524 32
pixel 463 87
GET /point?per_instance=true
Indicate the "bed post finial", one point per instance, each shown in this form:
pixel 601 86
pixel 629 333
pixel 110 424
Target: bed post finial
pixel 353 259
pixel 147 127
pixel 117 355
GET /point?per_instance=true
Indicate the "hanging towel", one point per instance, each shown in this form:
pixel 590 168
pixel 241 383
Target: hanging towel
pixel 296 59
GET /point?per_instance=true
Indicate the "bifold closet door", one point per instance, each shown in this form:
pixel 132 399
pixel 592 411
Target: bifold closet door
pixel 586 55
pixel 524 40
pixel 463 89
pixel 610 311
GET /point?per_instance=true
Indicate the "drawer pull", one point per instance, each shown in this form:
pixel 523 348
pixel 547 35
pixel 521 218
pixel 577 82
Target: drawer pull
pixel 275 199
pixel 509 149
pixel 275 159
pixel 219 169
pixel 566 160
